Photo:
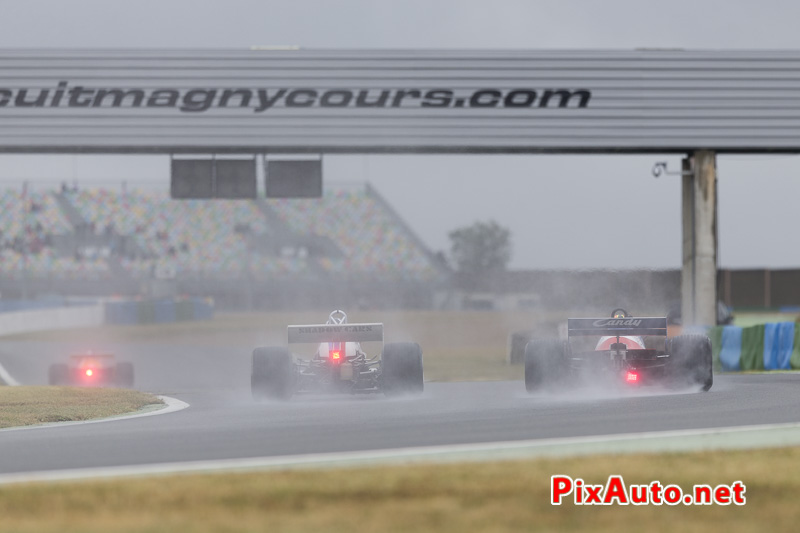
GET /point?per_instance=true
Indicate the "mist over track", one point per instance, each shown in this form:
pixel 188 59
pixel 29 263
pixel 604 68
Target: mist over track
pixel 223 422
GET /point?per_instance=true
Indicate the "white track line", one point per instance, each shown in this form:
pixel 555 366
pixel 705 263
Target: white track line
pixel 171 405
pixel 7 378
pixel 772 435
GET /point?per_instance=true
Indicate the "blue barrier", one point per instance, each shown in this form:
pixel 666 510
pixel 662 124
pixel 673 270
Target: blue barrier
pixel 158 311
pixel 123 313
pixel 778 343
pixel 786 345
pixel 203 309
pixel 731 350
pixel 164 311
pixel 771 346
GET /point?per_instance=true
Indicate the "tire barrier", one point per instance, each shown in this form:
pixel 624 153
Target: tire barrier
pixel 778 341
pixel 731 348
pixel 752 356
pixel 158 311
pixel 794 361
pixel 771 346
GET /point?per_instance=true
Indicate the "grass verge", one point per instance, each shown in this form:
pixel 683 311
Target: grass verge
pixel 753 318
pixel 25 406
pixel 485 497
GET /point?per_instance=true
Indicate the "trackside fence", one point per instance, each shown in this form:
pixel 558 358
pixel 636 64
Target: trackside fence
pixel 771 346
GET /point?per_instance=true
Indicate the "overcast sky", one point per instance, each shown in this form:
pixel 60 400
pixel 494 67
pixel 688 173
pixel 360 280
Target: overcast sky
pixel 553 205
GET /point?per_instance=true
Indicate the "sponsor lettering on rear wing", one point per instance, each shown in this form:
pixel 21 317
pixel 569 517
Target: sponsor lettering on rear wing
pixel 617 326
pixel 336 333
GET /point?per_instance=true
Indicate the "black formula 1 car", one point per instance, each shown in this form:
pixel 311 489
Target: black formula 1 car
pixel 92 370
pixel 630 351
pixel 339 363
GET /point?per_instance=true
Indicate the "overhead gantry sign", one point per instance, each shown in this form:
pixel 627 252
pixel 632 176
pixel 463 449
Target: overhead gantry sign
pixel 251 102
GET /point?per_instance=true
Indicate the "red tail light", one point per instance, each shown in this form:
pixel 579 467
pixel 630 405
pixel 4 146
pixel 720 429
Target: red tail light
pixel 631 377
pixel 89 372
pixel 336 352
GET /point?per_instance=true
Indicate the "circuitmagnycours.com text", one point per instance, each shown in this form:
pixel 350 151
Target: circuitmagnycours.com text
pixel 616 492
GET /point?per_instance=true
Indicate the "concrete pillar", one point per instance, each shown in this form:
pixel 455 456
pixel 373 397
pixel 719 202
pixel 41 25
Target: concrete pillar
pixel 687 259
pixel 699 274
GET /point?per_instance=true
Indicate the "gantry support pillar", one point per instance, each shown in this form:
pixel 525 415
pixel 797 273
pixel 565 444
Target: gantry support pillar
pixel 699 274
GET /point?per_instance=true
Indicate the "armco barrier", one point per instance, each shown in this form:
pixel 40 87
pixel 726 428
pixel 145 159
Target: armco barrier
pixel 772 346
pixel 47 319
pixel 115 312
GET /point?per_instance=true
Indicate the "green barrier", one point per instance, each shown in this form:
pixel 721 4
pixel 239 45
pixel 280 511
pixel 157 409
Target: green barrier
pixel 715 334
pixel 752 348
pixel 794 361
pixel 184 310
pixel 146 313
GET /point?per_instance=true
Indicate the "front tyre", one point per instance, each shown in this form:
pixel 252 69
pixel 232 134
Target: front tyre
pixel 401 369
pixel 691 361
pixel 545 363
pixel 273 374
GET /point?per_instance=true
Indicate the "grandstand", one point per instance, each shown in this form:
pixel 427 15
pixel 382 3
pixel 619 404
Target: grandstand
pixel 32 232
pixel 99 241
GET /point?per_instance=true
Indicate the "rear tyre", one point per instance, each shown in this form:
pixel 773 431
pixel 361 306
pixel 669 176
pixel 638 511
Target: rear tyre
pixel 516 344
pixel 273 375
pixel 58 374
pixel 124 375
pixel 691 361
pixel 401 369
pixel 545 363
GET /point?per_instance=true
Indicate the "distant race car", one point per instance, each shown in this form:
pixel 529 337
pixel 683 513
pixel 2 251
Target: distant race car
pixel 92 370
pixel 339 364
pixel 630 351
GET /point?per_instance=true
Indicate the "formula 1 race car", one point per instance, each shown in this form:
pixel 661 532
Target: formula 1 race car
pixel 92 370
pixel 339 363
pixel 631 351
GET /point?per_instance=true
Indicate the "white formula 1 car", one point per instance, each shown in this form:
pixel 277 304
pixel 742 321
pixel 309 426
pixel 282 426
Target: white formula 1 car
pixel 338 364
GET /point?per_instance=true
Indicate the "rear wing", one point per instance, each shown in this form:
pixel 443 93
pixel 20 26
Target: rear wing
pixel 336 333
pixel 93 356
pixel 617 326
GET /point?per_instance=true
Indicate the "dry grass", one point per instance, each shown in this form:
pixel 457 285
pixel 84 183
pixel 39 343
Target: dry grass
pixel 24 406
pixel 469 363
pixel 457 345
pixel 753 318
pixel 487 497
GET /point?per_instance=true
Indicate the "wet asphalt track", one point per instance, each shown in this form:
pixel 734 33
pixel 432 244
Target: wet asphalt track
pixel 223 422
